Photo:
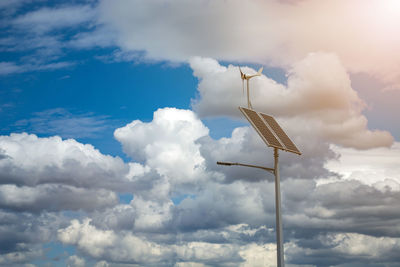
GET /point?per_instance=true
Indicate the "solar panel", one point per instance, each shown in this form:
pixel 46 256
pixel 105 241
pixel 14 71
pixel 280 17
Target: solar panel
pixel 282 136
pixel 269 130
pixel 262 129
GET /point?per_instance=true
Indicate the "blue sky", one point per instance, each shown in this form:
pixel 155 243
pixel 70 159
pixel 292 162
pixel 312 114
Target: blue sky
pixel 113 114
pixel 89 91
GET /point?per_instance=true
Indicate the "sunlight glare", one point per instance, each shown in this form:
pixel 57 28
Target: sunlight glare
pixel 388 12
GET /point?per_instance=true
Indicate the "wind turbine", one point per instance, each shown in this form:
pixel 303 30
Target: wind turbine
pixel 247 78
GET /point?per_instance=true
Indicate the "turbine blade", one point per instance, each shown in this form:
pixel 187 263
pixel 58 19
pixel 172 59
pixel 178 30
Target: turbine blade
pixel 260 70
pixel 242 76
pixel 254 75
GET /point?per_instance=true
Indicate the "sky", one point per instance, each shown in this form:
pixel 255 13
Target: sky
pixel 114 114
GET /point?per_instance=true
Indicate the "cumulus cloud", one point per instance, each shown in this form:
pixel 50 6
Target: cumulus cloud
pixel 186 210
pixel 318 219
pixel 33 161
pixel 102 264
pixel 377 167
pixel 259 256
pixel 237 214
pixel 54 198
pixel 128 247
pixel 318 99
pixel 51 174
pixel 344 206
pixel 19 258
pixel 358 250
pixel 22 235
pixel 43 177
pixel 108 244
pixel 225 216
pixel 167 144
pixel 245 146
pixel 75 261
pixel 361 35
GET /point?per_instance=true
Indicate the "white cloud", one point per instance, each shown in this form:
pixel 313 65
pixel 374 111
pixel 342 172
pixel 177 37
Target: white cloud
pixel 259 256
pixel 48 19
pixel 11 3
pixel 18 258
pixel 87 237
pixel 317 100
pixel 227 217
pixel 101 36
pixel 108 244
pixel 54 198
pixel 151 214
pixel 102 264
pixel 356 244
pixel 22 235
pixel 344 206
pixel 189 264
pixel 322 248
pixel 9 7
pixel 167 144
pixel 378 167
pixel 224 219
pixel 52 174
pixel 33 160
pixel 371 250
pixel 75 261
pixel 274 32
pixel 9 67
pixel 39 35
pixel 226 30
pixel 126 246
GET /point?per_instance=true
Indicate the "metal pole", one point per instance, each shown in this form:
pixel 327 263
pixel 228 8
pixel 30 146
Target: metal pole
pixel 248 95
pixel 279 235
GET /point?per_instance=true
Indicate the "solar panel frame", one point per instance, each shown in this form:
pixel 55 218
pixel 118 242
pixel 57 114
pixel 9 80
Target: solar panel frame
pixel 269 130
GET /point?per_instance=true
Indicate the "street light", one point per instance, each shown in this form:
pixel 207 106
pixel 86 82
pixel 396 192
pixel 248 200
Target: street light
pixel 273 135
pixel 271 170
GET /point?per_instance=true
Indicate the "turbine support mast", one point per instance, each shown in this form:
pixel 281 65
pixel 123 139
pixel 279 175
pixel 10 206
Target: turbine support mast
pixel 247 78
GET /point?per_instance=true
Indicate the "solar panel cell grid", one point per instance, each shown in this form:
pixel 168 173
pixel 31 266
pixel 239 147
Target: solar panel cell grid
pixel 269 130
pixel 261 128
pixel 280 133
